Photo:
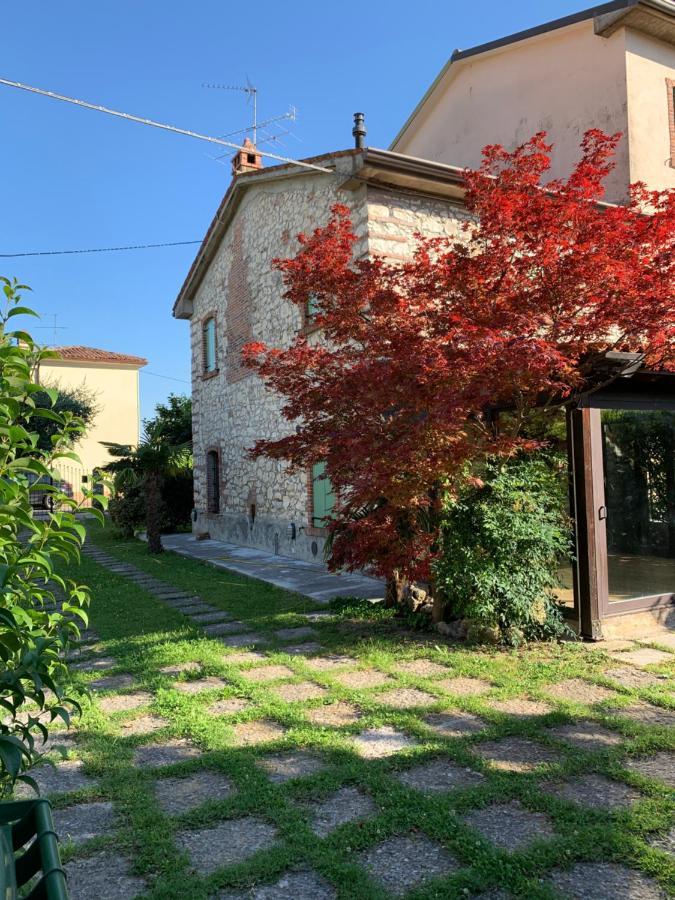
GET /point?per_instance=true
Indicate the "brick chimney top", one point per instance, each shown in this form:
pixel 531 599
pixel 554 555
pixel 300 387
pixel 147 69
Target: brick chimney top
pixel 247 159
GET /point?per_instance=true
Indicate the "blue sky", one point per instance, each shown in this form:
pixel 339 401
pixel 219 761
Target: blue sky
pixel 72 178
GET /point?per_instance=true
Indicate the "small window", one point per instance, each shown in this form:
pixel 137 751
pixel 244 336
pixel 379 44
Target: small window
pixel 323 499
pixel 312 307
pixel 212 481
pixel 209 348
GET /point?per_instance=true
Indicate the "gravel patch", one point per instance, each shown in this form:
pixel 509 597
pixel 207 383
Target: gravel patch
pixel 226 844
pixel 106 876
pixel 346 805
pixel 598 881
pixel 510 826
pixel 282 767
pixel 406 861
pixel 84 822
pixel 180 795
pixel 377 743
pixel 439 775
pixel 167 753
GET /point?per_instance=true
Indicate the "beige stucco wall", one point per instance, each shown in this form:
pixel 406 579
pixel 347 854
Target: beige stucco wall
pixel 118 418
pixel 649 62
pixel 562 82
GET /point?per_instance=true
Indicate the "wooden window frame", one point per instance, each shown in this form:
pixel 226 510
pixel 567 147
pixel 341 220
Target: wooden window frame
pixel 213 504
pixel 209 373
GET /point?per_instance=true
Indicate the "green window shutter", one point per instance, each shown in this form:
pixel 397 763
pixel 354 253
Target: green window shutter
pixel 311 309
pixel 210 345
pixel 323 499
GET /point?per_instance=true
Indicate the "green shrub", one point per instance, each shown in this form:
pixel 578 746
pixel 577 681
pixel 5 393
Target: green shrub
pixel 35 632
pixel 501 547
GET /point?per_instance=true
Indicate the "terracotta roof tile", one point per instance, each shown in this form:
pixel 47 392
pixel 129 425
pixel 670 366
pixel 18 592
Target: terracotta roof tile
pixel 93 354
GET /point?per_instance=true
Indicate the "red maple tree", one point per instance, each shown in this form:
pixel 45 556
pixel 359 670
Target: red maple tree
pixel 396 396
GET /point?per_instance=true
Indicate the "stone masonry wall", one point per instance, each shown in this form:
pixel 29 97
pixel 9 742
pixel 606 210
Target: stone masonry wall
pixel 259 500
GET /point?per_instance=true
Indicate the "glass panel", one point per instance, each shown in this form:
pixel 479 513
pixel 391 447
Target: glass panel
pixel 639 469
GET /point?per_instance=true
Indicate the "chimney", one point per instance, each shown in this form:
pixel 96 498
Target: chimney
pixel 359 131
pixel 247 159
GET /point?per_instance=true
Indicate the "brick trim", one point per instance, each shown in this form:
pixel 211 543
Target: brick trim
pixel 670 88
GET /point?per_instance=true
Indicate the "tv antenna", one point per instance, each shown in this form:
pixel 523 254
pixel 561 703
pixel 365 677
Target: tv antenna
pixel 53 327
pixel 173 128
pixel 251 96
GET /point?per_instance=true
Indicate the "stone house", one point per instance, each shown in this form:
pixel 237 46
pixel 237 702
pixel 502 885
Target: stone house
pixel 611 67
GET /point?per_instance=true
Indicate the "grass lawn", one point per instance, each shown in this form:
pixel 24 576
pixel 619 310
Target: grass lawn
pixel 387 762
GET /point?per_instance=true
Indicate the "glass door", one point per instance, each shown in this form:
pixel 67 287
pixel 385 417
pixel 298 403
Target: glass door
pixel 638 453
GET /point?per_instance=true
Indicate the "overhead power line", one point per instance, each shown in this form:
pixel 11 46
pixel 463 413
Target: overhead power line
pixel 98 249
pixel 173 128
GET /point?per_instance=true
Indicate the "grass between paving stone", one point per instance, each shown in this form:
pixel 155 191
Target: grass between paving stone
pixel 144 635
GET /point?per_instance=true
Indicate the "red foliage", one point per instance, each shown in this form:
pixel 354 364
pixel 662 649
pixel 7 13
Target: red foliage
pixel 396 396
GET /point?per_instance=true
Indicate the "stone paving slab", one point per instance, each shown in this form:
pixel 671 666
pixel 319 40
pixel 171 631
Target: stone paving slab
pixel 664 842
pixel 208 617
pixel 516 754
pixel 306 649
pixel 662 639
pixel 439 776
pixel 211 683
pixel 298 692
pixel 61 778
pixel 579 691
pixel 167 753
pixel 600 881
pixel 378 743
pixel 282 767
pixel 310 579
pixel 521 707
pixel 421 668
pixel 218 628
pixel 510 826
pixel 586 736
pixel 179 668
pixel 594 791
pixel 244 658
pixel 646 714
pixel 349 804
pixel 84 821
pixel 180 795
pixel 228 706
pixel 406 698
pixel 303 885
pixel 112 682
pixel 645 656
pixel 268 673
pixel 105 876
pixel 124 702
pixel 454 724
pixel 463 687
pixel 661 767
pixel 333 714
pixel 97 664
pixel 260 731
pixel 143 725
pixel 226 844
pixel 296 634
pixel 633 678
pixel 362 679
pixel 407 861
pixel 249 639
pixel 329 662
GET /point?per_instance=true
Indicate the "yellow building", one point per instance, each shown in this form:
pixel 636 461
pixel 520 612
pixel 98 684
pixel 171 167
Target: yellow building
pixel 112 378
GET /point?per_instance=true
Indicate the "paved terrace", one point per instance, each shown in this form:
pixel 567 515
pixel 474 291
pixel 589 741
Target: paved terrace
pixel 310 579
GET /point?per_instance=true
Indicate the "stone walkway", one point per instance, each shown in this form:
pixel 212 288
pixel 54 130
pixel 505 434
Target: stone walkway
pixel 473 754
pixel 296 575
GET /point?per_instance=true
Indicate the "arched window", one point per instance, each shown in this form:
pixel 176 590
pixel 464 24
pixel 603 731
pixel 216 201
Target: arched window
pixel 209 346
pixel 213 481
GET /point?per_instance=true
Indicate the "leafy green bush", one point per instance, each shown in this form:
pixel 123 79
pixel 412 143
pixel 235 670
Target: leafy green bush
pixel 40 611
pixel 502 543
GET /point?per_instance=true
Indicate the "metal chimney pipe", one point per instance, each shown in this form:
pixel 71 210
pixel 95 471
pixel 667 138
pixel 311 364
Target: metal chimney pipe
pixel 359 130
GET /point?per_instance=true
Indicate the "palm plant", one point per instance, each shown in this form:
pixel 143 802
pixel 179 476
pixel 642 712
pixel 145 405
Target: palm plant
pixel 147 465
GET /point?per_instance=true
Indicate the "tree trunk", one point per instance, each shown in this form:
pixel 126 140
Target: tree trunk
pixel 393 594
pixel 153 508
